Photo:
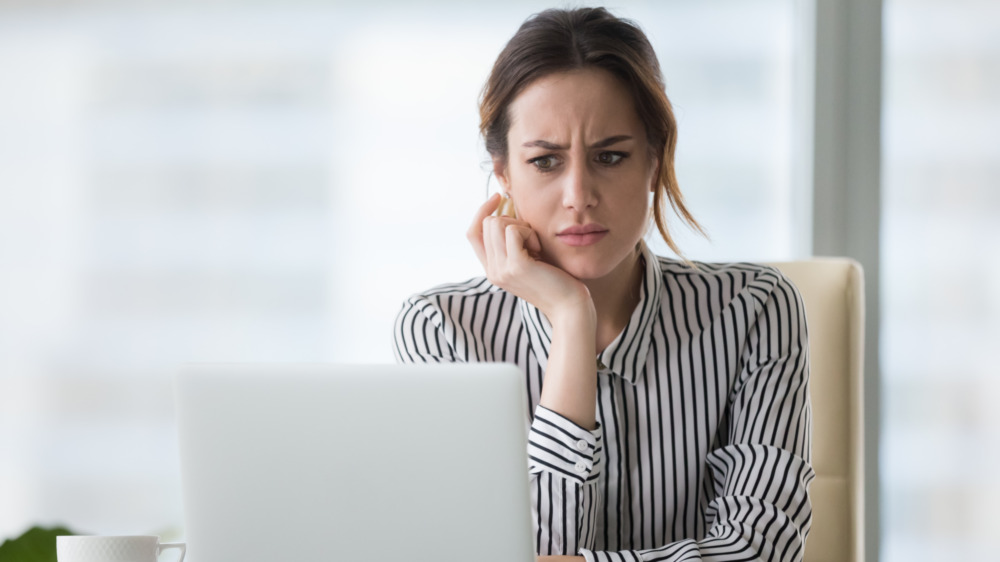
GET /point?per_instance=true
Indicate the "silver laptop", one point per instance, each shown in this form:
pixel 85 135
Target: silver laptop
pixel 416 463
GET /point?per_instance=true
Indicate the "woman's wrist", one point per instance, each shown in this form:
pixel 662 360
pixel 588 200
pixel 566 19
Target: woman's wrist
pixel 571 376
pixel 575 313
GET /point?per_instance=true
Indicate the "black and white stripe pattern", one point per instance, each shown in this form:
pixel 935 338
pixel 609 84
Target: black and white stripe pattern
pixel 703 443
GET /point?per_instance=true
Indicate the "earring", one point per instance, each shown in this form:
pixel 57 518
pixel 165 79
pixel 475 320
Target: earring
pixel 506 207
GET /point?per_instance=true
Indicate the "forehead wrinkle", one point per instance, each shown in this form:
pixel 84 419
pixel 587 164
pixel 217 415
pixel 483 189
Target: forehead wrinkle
pixel 565 127
pixel 546 111
pixel 602 143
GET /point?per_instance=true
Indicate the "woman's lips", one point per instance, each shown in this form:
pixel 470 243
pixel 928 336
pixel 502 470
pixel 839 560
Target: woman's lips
pixel 582 235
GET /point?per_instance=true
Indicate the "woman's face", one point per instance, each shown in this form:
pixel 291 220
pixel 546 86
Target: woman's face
pixel 579 170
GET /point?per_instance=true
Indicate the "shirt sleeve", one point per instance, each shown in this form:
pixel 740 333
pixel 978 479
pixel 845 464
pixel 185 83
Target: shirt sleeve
pixel 420 334
pixel 564 463
pixel 564 459
pixel 760 472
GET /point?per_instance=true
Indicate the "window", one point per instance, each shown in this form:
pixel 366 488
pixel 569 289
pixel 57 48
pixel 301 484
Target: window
pixel 210 183
pixel 940 275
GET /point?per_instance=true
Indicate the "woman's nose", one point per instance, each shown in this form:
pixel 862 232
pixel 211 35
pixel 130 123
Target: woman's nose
pixel 579 188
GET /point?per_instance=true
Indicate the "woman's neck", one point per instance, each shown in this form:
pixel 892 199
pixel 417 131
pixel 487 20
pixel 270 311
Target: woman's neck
pixel 615 297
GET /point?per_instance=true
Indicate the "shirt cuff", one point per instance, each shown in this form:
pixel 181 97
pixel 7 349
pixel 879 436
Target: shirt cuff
pixel 619 556
pixel 556 444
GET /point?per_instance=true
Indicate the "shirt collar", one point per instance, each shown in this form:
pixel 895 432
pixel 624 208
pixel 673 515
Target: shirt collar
pixel 626 355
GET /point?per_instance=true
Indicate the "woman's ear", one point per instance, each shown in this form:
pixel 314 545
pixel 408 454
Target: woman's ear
pixel 500 171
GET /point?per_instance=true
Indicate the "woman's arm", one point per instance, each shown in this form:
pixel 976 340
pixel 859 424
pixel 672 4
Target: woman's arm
pixel 563 475
pixel 571 374
pixel 504 246
pixel 564 442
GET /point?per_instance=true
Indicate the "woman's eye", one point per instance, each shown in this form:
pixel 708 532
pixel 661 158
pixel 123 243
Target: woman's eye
pixel 610 158
pixel 543 163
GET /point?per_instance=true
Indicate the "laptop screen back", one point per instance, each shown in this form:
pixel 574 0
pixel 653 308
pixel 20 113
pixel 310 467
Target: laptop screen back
pixel 313 462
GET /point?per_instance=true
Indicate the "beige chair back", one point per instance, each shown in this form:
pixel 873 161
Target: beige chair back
pixel 833 291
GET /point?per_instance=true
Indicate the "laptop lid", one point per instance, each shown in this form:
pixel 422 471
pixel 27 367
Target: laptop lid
pixel 319 462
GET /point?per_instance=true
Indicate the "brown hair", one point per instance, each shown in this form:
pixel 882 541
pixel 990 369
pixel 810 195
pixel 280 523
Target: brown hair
pixel 562 40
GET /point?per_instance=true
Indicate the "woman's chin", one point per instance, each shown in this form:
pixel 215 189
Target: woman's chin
pixel 591 265
pixel 585 269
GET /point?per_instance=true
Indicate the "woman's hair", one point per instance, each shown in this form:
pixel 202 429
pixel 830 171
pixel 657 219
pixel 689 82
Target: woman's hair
pixel 563 40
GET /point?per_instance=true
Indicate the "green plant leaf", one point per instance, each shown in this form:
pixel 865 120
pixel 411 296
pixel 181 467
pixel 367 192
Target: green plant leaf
pixel 37 544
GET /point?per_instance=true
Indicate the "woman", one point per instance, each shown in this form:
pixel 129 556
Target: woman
pixel 689 435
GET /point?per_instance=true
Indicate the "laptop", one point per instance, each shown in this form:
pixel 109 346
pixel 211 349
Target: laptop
pixel 320 462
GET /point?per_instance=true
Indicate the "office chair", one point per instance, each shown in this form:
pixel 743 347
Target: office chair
pixel 833 291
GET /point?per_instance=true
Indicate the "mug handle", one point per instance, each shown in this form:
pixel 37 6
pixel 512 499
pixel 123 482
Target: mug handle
pixel 165 545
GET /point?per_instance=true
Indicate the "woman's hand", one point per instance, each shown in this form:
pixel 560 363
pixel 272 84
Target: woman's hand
pixel 509 250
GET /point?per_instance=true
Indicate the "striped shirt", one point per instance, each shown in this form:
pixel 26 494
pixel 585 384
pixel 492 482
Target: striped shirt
pixel 702 446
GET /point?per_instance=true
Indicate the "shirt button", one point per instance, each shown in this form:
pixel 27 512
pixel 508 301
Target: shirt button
pixel 580 467
pixel 581 445
pixel 600 365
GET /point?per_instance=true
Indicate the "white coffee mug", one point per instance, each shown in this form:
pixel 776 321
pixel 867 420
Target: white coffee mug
pixel 113 549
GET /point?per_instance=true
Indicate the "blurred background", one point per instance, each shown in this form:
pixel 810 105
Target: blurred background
pixel 267 181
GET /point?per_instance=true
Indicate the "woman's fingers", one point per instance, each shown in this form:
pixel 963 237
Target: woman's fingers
pixel 507 247
pixel 517 237
pixel 475 232
pixel 485 210
pixel 494 245
pixel 512 260
pixel 527 238
pixel 533 244
pixel 514 238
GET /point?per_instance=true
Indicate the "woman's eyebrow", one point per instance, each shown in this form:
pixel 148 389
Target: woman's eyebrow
pixel 599 144
pixel 610 141
pixel 543 144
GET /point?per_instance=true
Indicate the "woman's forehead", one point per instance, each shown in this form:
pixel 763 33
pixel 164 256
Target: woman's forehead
pixel 591 104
